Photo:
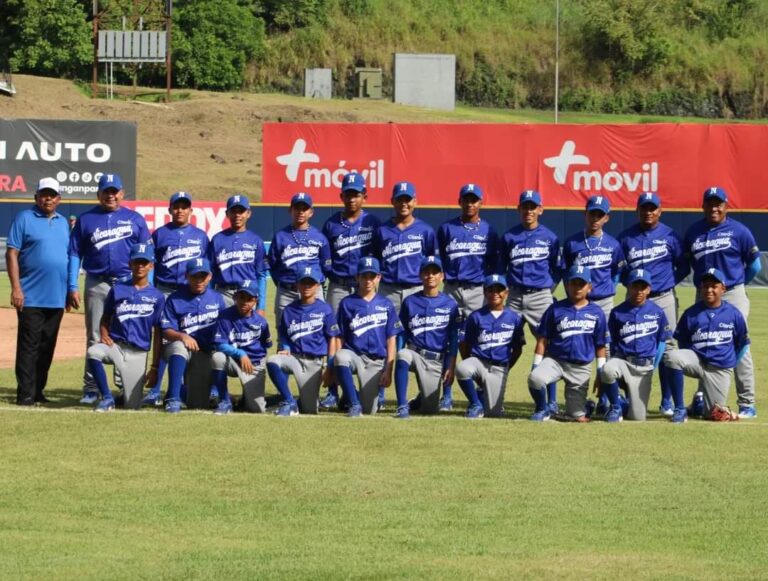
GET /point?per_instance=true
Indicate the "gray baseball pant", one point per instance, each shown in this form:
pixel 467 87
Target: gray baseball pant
pixel 368 372
pixel 129 362
pixel 637 380
pixel 309 375
pixel 575 375
pixel 714 382
pixel 492 378
pixel 336 292
pixel 96 292
pixel 397 293
pixel 470 298
pixel 197 376
pixel 253 385
pixel 530 306
pixel 285 297
pixel 428 375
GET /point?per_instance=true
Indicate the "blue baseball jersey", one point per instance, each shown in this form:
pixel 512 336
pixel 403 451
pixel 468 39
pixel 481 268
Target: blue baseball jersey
pixel 573 334
pixel 307 328
pixel 194 315
pixel 349 241
pixel 249 334
pixel 135 313
pixel 174 246
pixel 637 331
pixel 716 335
pixel 728 246
pixel 430 323
pixel 292 249
pixel 494 337
pixel 401 251
pixel 42 245
pixel 365 325
pixel 237 256
pixel 103 240
pixel 468 251
pixel 530 257
pixel 658 250
pixel 604 257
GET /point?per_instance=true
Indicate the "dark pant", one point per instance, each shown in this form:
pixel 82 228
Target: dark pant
pixel 35 343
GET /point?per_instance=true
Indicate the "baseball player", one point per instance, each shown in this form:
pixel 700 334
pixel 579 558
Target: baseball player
pixel 350 234
pixel 189 323
pixel 639 333
pixel 295 247
pixel 468 248
pixel 713 339
pixel 658 250
pixel 431 332
pixel 307 336
pixel 492 344
pixel 369 326
pixel 102 241
pixel 530 257
pixel 572 333
pixel 175 243
pixel 720 242
pixel 132 314
pixel 242 338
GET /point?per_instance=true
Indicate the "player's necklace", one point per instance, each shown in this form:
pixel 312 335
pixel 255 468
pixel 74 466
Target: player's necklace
pixel 343 221
pixel 298 240
pixel 586 242
pixel 471 226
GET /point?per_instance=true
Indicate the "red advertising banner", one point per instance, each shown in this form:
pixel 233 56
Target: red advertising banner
pixel 566 163
pixel 208 216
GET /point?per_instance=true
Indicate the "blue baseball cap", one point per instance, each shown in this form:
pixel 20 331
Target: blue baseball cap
pixel 368 264
pixel 198 265
pixel 430 261
pixel 471 190
pixel 530 196
pixel 639 275
pixel 649 198
pixel 311 272
pixel 248 286
pixel 401 189
pixel 715 192
pixel 238 200
pixel 354 182
pixel 110 181
pixel 579 272
pixel 495 280
pixel 142 252
pixel 599 203
pixel 301 198
pixel 180 196
pixel 713 273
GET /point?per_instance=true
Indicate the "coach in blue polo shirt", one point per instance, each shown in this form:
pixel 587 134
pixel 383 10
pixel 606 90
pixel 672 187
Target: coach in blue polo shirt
pixel 37 268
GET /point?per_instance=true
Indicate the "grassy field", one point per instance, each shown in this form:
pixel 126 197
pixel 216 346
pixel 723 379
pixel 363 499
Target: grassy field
pixel 144 494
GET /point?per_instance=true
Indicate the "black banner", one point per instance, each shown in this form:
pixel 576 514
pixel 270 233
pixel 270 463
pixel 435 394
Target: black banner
pixel 76 153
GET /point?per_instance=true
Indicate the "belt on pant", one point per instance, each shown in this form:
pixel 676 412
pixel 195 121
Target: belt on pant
pixel 403 285
pixel 287 285
pixel 169 285
pixel 107 278
pixel 527 290
pixel 639 361
pixel 660 293
pixel 492 362
pixel 427 354
pixel 463 284
pixel 343 281
pixel 227 287
pixel 308 356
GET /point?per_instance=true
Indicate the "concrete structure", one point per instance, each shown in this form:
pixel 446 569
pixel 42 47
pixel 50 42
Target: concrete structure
pixel 426 80
pixel 318 83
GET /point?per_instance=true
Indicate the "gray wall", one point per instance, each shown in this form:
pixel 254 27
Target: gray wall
pixel 426 80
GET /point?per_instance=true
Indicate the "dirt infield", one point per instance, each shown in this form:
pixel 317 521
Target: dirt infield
pixel 71 341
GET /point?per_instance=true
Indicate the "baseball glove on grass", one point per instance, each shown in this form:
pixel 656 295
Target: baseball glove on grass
pixel 720 413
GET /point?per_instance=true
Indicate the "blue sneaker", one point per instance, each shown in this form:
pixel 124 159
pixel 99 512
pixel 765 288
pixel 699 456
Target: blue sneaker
pixel 614 415
pixel 624 404
pixel 540 416
pixel 680 416
pixel 355 411
pixel 173 406
pixel 747 412
pixel 589 408
pixel 603 406
pixel 667 408
pixel 446 403
pixel 553 408
pixel 381 403
pixel 696 409
pixel 89 398
pixel 403 412
pixel 213 397
pixel 154 398
pixel 287 410
pixel 475 412
pixel 330 401
pixel 105 405
pixel 223 408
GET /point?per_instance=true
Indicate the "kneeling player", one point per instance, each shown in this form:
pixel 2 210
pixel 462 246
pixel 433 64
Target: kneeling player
pixel 132 312
pixel 493 342
pixel 639 331
pixel 307 334
pixel 242 339
pixel 430 322
pixel 369 327
pixel 712 336
pixel 571 334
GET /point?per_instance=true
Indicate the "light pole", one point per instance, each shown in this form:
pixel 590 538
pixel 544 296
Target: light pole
pixel 557 57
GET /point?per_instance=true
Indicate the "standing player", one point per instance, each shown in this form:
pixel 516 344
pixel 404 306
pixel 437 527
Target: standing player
pixel 658 250
pixel 176 243
pixel 713 339
pixel 369 326
pixel 493 342
pixel 571 335
pixel 639 335
pixel 132 314
pixel 431 332
pixel 307 336
pixel 530 257
pixel 294 248
pixel 102 240
pixel 468 248
pixel 189 322
pixel 242 338
pixel 721 242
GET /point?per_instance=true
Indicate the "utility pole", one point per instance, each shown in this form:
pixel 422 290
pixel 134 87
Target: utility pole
pixel 557 58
